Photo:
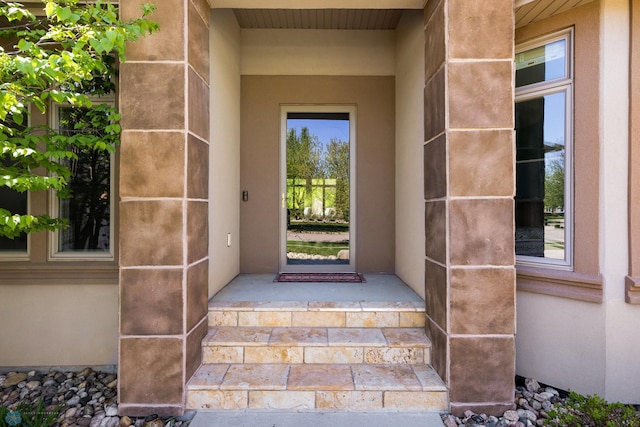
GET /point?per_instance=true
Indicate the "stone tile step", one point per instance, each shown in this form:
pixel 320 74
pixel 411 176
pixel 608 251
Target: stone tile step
pixel 317 314
pixel 317 387
pixel 316 345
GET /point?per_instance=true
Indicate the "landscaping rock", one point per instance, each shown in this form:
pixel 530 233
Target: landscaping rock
pixel 86 398
pixel 14 378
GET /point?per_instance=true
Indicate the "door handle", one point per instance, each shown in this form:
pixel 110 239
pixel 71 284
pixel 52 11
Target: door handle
pixel 284 201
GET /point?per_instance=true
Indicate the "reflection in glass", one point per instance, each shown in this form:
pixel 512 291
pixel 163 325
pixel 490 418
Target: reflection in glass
pixel 544 63
pixel 317 188
pixel 12 200
pixel 16 203
pixel 88 208
pixel 540 177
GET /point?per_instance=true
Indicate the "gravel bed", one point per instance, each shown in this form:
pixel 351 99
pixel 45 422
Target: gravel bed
pixel 532 403
pixel 86 398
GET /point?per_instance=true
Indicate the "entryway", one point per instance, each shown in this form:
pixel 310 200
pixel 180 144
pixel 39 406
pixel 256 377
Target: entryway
pixel 371 192
pixel 317 346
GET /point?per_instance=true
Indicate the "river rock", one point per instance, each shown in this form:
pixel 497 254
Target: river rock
pixel 511 416
pixel 532 385
pixel 14 378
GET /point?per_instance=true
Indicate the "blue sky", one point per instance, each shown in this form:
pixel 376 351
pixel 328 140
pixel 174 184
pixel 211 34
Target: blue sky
pixel 323 129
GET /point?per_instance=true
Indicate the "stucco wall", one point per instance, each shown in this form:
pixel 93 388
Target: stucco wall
pixel 622 343
pixel 57 313
pixel 224 150
pixel 317 67
pixel 591 347
pixel 58 325
pixel 317 52
pixel 410 227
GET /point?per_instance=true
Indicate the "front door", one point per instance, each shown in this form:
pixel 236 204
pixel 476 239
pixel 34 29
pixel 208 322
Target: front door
pixel 316 188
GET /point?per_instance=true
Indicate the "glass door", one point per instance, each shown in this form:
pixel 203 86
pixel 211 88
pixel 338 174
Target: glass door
pixel 316 189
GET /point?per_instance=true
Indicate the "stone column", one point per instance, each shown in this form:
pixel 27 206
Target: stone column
pixel 469 189
pixel 164 100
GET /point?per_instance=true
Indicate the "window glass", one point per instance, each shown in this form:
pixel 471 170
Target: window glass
pixel 541 64
pixel 540 176
pixel 14 202
pixel 88 210
pixel 543 124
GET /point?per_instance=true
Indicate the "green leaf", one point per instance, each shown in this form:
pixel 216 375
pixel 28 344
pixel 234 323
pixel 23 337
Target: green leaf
pixel 50 9
pixel 65 61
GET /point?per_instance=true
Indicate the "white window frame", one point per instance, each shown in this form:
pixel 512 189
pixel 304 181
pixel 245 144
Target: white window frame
pixel 537 90
pixel 54 206
pixel 21 255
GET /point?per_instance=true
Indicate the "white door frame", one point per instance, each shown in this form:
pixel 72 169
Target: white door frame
pixel 318 108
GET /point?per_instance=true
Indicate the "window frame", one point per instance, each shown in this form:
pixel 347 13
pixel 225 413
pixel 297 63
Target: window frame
pixel 53 253
pixel 564 84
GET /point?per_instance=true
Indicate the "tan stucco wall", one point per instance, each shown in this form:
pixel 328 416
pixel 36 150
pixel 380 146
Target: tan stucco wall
pixel 58 325
pixel 410 227
pixel 542 350
pixel 592 347
pixel 622 343
pixel 586 21
pixel 57 313
pixel 317 52
pixel 260 136
pixel 224 150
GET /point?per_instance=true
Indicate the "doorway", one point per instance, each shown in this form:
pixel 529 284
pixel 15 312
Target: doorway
pixel 317 191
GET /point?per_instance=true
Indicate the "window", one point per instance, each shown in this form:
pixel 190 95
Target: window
pixel 89 206
pixel 544 123
pixel 15 249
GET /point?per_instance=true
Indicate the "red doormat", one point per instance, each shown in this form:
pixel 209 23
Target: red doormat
pixel 321 277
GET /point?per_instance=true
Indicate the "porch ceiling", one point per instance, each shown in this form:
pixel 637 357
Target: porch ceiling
pixel 319 19
pixel 528 11
pixel 350 15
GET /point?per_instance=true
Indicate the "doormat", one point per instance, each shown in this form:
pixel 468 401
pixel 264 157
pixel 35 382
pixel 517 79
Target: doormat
pixel 321 277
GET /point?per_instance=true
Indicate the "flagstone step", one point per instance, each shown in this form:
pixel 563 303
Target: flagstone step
pixel 317 314
pixel 227 344
pixel 353 387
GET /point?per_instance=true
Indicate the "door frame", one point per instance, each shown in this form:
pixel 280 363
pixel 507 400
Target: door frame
pixel 317 108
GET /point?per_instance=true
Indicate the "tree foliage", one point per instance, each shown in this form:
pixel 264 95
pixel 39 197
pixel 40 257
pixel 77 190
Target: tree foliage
pixel 66 57
pixel 308 160
pixel 337 166
pixel 554 185
pixel 304 162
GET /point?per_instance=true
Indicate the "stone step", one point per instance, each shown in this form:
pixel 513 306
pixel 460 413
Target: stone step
pixel 228 344
pixel 317 314
pixel 352 387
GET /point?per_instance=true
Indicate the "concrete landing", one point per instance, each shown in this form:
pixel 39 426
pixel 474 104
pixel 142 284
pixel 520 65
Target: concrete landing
pixel 261 287
pixel 315 419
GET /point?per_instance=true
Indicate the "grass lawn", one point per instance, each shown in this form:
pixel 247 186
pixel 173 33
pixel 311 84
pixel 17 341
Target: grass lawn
pixel 316 248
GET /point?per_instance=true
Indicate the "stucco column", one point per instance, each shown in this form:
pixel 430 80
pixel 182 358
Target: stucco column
pixel 469 189
pixel 632 294
pixel 164 100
